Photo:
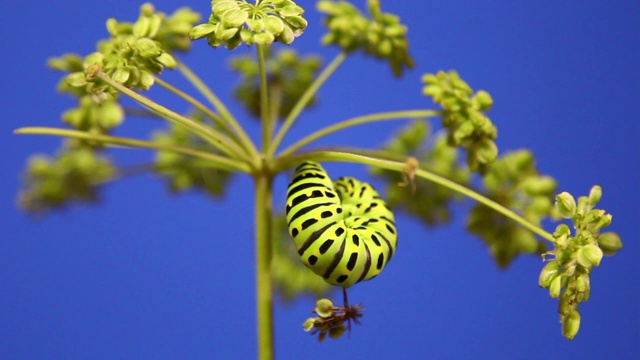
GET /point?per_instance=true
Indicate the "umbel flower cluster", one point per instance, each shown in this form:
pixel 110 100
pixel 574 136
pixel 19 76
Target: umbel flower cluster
pixel 233 22
pixel 567 274
pixel 382 35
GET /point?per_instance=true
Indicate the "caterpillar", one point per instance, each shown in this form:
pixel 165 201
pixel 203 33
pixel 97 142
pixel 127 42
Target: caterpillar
pixel 342 230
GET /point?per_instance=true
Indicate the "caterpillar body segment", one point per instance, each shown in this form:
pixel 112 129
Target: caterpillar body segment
pixel 342 229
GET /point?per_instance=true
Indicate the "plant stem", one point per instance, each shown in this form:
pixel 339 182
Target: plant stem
pixel 211 136
pixel 291 161
pixel 304 100
pixel 245 141
pixel 263 223
pixel 386 116
pixel 264 100
pixel 221 162
pixel 198 105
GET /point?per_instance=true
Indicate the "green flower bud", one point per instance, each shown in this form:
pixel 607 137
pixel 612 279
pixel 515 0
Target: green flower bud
pixel 111 115
pixel 76 79
pixel 605 221
pixel 297 22
pixel 539 185
pixel 609 243
pixel 264 38
pixel 565 305
pixel 595 195
pixel 201 30
pixel 486 151
pixel 324 308
pixel 337 331
pixel 141 27
pixel 548 274
pixel 583 283
pixel 589 255
pixel 291 10
pixel 274 25
pixel 39 165
pixel 146 80
pixel 147 48
pixel 566 204
pixel 571 324
pixel 167 60
pixel 121 75
pixel 286 36
pixel 308 324
pixel 256 25
pixel 482 100
pixel 555 287
pixel 234 18
pixel 562 230
pixel 583 206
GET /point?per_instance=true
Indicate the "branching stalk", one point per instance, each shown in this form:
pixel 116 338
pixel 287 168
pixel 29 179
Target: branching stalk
pixel 245 141
pixel 215 138
pixel 198 105
pixel 284 163
pixel 220 162
pixel 304 101
pixel 387 116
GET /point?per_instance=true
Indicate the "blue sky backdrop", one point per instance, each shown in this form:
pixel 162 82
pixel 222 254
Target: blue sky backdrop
pixel 146 275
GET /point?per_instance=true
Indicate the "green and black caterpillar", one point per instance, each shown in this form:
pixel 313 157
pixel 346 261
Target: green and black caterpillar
pixel 343 230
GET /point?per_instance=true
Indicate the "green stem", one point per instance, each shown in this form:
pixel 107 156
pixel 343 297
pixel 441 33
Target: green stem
pixel 215 138
pixel 245 141
pixel 386 116
pixel 284 163
pixel 222 162
pixel 198 105
pixel 264 99
pixel 304 100
pixel 264 292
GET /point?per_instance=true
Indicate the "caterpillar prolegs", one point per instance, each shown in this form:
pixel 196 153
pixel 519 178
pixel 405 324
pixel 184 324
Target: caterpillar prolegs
pixel 343 230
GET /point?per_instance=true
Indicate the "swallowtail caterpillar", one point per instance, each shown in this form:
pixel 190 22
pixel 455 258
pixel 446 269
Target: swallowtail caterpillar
pixel 342 229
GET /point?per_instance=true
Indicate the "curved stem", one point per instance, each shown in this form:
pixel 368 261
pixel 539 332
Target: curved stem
pixel 264 291
pixel 221 162
pixel 198 105
pixel 386 116
pixel 245 141
pixel 284 163
pixel 266 119
pixel 213 137
pixel 304 100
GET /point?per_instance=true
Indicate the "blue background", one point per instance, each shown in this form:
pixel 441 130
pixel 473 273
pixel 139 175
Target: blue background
pixel 148 275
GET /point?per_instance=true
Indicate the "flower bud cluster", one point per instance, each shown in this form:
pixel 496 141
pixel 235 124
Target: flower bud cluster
pixel 233 22
pixel 464 117
pixel 382 36
pixel 72 176
pixel 183 172
pixel 567 275
pixel 514 182
pixel 94 113
pixel 137 51
pixel 331 319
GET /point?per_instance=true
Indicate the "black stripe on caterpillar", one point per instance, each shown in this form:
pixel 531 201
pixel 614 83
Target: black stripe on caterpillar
pixel 342 229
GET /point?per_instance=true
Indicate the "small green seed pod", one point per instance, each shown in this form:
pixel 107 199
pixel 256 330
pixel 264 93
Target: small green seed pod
pixel 566 204
pixel 548 273
pixel 324 308
pixel 555 287
pixel 571 324
pixel 609 243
